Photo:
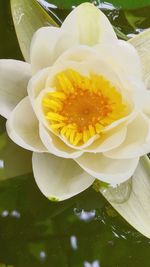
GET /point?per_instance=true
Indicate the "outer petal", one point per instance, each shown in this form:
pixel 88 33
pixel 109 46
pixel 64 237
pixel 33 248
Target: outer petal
pixel 56 146
pixel 137 142
pixel 22 127
pixel 142 99
pixel 59 178
pixel 52 42
pixel 136 210
pixel 108 170
pixel 14 77
pixel 89 25
pixel 122 57
pixel 142 44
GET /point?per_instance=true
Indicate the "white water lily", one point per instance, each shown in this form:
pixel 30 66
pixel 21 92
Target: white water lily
pixel 81 105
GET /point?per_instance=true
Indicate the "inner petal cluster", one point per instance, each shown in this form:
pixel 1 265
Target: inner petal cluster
pixel 81 106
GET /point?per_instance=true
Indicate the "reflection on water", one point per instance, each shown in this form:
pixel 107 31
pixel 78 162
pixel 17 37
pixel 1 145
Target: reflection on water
pixel 79 232
pixel 73 242
pixel 85 215
pixel 82 232
pixel 94 264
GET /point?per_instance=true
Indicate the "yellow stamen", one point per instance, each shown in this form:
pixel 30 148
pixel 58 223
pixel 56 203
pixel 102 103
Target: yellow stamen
pixel 91 130
pixel 52 104
pixel 77 139
pixel 57 126
pixel 64 130
pixel 55 117
pixel 72 136
pixel 68 133
pixel 85 136
pixel 98 128
pixel 65 83
pixel 59 95
pixel 82 106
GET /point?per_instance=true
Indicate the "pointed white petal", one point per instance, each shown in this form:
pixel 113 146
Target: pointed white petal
pixel 56 146
pixel 37 84
pixel 137 142
pixel 108 140
pixel 142 43
pixel 52 42
pixel 142 99
pixel 14 77
pixel 23 128
pixel 136 210
pixel 111 171
pixel 122 57
pixel 59 178
pixel 89 25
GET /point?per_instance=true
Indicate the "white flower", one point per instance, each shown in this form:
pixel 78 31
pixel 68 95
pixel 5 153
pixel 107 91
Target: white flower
pixel 81 105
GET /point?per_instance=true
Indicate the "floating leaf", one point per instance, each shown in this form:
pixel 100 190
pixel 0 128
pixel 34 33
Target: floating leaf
pixel 28 16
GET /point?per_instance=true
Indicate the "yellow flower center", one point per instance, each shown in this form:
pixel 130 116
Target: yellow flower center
pixel 82 106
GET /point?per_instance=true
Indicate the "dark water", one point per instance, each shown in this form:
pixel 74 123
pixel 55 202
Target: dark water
pixel 82 232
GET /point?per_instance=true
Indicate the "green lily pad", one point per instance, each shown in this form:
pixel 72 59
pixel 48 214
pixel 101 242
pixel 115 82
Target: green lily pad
pixel 28 16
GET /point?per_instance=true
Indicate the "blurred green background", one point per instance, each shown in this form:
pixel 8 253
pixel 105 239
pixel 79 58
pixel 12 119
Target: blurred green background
pixel 83 231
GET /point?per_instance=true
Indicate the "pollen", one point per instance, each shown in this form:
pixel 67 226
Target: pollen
pixel 81 107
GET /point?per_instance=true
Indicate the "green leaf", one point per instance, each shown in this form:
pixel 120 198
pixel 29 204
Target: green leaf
pixel 14 161
pixel 28 16
pixel 127 4
pixel 120 34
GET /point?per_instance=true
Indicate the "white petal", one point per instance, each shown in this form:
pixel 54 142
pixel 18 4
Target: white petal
pixel 14 77
pixel 136 210
pixel 37 84
pixel 52 42
pixel 142 43
pixel 137 142
pixel 142 99
pixel 57 147
pixel 59 178
pixel 108 170
pixel 87 60
pixel 108 60
pixel 108 140
pixel 122 57
pixel 22 127
pixel 89 25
